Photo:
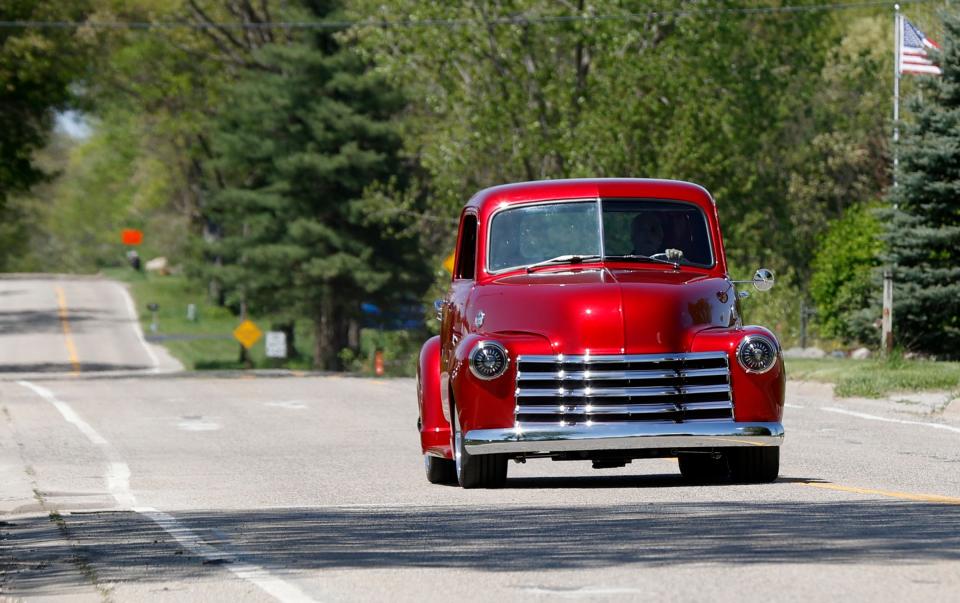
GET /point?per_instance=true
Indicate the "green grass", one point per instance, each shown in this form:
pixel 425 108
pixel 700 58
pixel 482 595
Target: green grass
pixel 174 292
pixel 877 378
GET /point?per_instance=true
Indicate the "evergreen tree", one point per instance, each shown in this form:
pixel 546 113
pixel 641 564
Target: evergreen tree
pixel 923 235
pixel 298 144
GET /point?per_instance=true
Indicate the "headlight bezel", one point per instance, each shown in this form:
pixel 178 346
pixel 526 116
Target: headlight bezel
pixel 483 347
pixel 774 353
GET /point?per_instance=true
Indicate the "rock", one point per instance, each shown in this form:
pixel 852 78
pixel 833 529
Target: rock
pixel 804 353
pixel 838 354
pixel 159 265
pixel 860 354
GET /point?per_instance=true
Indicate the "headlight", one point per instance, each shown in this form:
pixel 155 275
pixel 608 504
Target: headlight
pixel 488 360
pixel 757 354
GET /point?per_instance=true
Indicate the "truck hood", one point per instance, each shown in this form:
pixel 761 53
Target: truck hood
pixel 604 311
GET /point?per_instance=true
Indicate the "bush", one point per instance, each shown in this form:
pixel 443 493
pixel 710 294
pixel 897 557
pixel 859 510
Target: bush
pixel 844 282
pixel 401 349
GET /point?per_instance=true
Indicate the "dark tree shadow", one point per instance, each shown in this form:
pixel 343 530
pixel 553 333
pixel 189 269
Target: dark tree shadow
pixel 66 367
pixel 128 546
pixel 25 322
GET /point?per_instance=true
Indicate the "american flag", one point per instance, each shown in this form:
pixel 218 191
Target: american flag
pixel 913 50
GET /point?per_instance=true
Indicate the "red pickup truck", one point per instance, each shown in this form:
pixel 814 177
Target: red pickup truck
pixel 595 320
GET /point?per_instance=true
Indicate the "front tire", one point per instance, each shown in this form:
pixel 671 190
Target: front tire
pixel 758 465
pixel 476 471
pixel 439 471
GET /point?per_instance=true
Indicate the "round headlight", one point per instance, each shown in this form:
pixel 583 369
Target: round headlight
pixel 757 354
pixel 488 360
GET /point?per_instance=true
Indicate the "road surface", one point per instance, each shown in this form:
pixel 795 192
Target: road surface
pixel 144 485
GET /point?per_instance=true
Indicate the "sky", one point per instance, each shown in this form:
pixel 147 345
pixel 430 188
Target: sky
pixel 74 124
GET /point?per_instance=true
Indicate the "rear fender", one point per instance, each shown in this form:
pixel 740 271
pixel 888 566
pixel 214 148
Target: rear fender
pixel 434 427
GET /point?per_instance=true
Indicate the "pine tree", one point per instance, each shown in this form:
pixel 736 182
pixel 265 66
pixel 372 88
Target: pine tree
pixel 923 235
pixel 298 145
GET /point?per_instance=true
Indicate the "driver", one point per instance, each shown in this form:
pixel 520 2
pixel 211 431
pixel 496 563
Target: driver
pixel 646 232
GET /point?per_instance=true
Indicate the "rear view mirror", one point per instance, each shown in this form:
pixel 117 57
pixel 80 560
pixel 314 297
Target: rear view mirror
pixel 763 280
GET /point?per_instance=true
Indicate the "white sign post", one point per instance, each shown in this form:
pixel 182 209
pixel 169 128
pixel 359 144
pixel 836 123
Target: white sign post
pixel 276 344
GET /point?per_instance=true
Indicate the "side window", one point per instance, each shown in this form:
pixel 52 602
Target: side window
pixel 467 251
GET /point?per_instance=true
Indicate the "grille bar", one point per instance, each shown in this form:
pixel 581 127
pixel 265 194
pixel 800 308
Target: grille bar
pixel 680 387
pixel 600 375
pixel 622 392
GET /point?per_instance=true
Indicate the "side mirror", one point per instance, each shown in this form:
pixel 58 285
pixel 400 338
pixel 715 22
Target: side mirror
pixel 763 280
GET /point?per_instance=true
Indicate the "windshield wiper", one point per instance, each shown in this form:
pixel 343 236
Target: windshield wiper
pixel 563 259
pixel 635 257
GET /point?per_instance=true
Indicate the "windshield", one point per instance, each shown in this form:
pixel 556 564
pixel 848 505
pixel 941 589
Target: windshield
pixel 632 229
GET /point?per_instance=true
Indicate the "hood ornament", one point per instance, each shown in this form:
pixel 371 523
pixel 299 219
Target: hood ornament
pixel 478 320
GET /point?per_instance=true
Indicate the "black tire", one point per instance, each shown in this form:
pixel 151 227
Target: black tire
pixel 758 465
pixel 440 471
pixel 702 468
pixel 476 471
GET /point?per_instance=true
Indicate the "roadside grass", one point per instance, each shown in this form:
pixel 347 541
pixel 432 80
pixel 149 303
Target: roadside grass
pixel 199 347
pixel 208 344
pixel 876 378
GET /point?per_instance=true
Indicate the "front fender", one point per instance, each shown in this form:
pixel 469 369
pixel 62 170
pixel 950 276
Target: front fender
pixel 434 426
pixel 756 397
pixel 490 404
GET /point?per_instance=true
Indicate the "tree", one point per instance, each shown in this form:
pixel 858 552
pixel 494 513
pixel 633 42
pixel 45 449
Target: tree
pixel 36 70
pixel 297 148
pixel 923 234
pixel 843 284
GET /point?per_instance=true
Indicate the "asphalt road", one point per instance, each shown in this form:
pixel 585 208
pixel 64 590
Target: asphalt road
pixel 139 484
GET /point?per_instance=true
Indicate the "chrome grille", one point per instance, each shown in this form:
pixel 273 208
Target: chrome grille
pixel 604 389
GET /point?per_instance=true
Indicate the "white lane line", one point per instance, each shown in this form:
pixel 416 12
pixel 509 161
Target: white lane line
pixel 138 329
pixel 862 415
pixel 278 588
pixel 788 405
pixel 118 483
pixel 67 412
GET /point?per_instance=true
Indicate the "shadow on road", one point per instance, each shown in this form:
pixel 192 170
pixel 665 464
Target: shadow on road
pixel 66 367
pixel 127 546
pixel 27 322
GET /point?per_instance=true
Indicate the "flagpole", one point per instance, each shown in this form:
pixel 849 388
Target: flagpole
pixel 886 315
pixel 897 40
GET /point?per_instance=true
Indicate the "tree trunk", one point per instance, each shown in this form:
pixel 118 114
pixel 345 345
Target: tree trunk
pixel 325 336
pixel 290 331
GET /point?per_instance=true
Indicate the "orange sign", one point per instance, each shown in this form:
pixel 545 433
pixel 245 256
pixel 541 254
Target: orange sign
pixel 131 236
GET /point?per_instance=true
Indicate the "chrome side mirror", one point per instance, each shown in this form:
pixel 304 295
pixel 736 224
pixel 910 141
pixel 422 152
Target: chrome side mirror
pixel 763 280
pixel 438 308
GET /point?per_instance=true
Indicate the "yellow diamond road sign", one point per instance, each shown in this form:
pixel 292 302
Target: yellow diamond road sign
pixel 247 333
pixel 448 263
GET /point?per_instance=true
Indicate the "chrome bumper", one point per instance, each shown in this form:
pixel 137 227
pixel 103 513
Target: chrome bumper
pixel 622 436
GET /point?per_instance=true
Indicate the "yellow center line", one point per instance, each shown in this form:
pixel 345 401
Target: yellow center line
pixel 65 323
pixel 933 498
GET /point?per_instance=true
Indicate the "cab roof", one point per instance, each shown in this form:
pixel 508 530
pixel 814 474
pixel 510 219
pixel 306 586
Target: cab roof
pixel 589 188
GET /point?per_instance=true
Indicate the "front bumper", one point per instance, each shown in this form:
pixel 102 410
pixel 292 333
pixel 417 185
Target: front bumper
pixel 532 439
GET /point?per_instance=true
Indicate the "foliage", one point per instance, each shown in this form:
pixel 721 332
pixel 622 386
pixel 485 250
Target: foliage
pixel 923 233
pixel 401 352
pixel 37 68
pixel 230 147
pixel 844 284
pixel 296 150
